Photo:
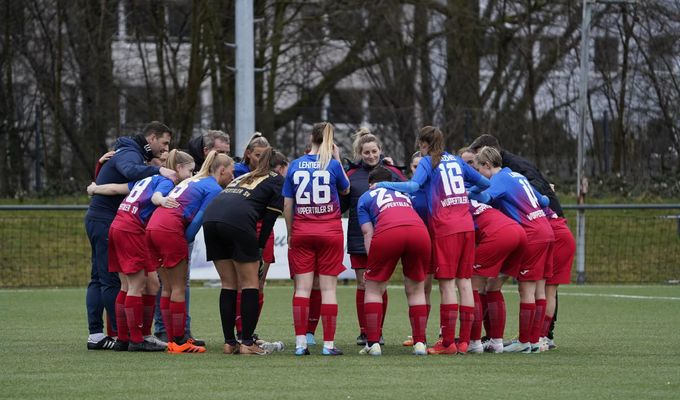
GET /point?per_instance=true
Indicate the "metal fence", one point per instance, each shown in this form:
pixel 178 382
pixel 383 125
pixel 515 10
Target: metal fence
pixel 46 246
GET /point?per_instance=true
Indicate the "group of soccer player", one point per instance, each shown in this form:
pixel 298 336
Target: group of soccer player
pixel 465 220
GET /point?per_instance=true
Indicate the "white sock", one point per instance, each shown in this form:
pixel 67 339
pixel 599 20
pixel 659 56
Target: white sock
pixel 95 337
pixel 301 341
pixel 329 344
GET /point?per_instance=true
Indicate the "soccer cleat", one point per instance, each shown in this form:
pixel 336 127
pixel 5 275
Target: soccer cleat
pixel 310 339
pixel 121 345
pixel 162 336
pixel 408 342
pixel 439 348
pixel 187 347
pixel 105 344
pixel 331 352
pixel 419 349
pixel 145 347
pixel 374 350
pixel 551 344
pixel 517 347
pixel 475 347
pixel 493 346
pixel 231 348
pixel 462 347
pixel 198 342
pixel 382 340
pixel 361 340
pixel 536 347
pixel 155 340
pixel 543 344
pixel 301 351
pixel 253 349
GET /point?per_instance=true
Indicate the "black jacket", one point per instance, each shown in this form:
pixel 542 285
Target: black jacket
pixel 195 149
pixel 358 178
pixel 523 166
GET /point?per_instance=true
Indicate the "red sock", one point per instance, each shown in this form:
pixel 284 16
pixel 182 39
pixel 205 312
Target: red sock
pixel 496 314
pixel 418 317
pixel 121 319
pixel 384 311
pixel 485 313
pixel 167 317
pixel 467 317
pixel 178 312
pixel 260 303
pixel 149 302
pixel 329 316
pixel 448 314
pixel 239 326
pixel 361 315
pixel 476 331
pixel 300 314
pixel 134 311
pixel 314 311
pixel 547 320
pixel 109 326
pixel 526 321
pixel 373 315
pixel 537 326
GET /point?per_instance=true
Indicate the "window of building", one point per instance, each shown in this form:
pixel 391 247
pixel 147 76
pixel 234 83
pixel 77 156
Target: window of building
pixel 662 49
pixel 179 18
pixel 144 18
pixel 606 53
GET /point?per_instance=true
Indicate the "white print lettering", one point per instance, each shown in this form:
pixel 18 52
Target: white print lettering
pixel 536 214
pixel 395 204
pixel 128 208
pixel 451 201
pixel 325 209
pixel 310 165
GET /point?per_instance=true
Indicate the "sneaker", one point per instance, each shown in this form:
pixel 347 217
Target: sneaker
pixel 361 340
pixel 551 345
pixel 374 350
pixel 493 346
pixel 301 351
pixel 105 344
pixel 231 348
pixel 408 342
pixel 475 347
pixel 146 346
pixel 536 347
pixel 200 342
pixel 162 336
pixel 253 349
pixel 155 340
pixel 517 347
pixel 440 349
pixel 187 347
pixel 121 345
pixel 382 340
pixel 331 352
pixel 462 347
pixel 310 339
pixel 419 349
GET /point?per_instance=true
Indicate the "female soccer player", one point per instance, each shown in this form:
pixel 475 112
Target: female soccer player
pixel 393 230
pixel 368 156
pixel 514 195
pixel 128 255
pixel 443 178
pixel 169 233
pixel 315 237
pixel 234 245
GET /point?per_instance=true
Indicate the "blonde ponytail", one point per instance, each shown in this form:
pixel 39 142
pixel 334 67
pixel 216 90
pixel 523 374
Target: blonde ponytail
pixel 212 162
pixel 326 147
pixel 177 158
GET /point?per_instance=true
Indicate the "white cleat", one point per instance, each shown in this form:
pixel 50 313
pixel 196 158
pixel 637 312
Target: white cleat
pixel 374 350
pixel 543 344
pixel 493 346
pixel 420 349
pixel 517 347
pixel 475 347
pixel 153 339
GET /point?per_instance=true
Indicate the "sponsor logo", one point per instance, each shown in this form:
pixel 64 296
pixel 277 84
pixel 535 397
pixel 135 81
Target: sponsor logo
pixel 524 272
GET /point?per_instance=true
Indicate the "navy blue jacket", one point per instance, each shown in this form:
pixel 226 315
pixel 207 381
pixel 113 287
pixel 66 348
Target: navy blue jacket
pixel 358 178
pixel 127 165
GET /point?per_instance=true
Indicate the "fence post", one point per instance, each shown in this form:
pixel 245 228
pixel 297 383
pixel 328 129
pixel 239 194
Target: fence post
pixel 581 246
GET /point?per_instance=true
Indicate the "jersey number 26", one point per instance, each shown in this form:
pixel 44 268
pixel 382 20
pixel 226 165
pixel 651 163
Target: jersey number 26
pixel 320 192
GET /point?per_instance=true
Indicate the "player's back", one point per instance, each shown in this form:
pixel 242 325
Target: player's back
pixel 191 195
pixel 136 209
pixel 387 209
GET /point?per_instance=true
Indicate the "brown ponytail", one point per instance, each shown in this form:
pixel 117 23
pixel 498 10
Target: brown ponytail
pixel 435 139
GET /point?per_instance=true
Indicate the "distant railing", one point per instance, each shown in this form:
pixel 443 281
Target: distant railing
pixel 43 246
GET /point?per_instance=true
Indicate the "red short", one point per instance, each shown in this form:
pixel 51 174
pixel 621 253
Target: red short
pixel 128 252
pixel 501 251
pixel 320 254
pixel 268 251
pixel 564 250
pixel 454 255
pixel 411 244
pixel 536 258
pixel 358 261
pixel 168 247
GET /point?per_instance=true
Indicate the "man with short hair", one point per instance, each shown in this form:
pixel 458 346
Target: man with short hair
pixel 128 164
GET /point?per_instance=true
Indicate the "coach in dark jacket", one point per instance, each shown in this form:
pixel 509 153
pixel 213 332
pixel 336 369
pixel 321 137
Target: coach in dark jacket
pixel 128 164
pixel 200 146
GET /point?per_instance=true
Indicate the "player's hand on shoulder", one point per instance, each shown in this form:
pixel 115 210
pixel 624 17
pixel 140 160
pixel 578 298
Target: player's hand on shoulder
pixel 169 173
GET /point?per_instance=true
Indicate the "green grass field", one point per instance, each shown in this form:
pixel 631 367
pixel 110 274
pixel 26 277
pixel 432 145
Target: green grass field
pixel 614 342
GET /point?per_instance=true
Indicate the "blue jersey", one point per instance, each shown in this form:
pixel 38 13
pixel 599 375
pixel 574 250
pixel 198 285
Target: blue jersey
pixel 419 201
pixel 240 169
pixel 136 209
pixel 315 192
pixel 386 209
pixel 193 196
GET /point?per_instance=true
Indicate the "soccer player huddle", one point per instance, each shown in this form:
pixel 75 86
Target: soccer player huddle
pixel 471 221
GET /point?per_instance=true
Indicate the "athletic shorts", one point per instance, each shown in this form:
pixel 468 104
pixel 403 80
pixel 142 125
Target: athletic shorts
pixel 128 252
pixel 268 251
pixel 454 255
pixel 411 244
pixel 501 251
pixel 537 257
pixel 564 250
pixel 168 247
pixel 319 254
pixel 226 242
pixel 358 261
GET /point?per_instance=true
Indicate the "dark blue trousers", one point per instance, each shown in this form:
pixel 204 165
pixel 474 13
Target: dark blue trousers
pixel 104 285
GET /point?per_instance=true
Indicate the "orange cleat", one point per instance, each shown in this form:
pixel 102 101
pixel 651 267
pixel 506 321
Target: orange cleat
pixel 408 342
pixel 440 349
pixel 462 347
pixel 187 347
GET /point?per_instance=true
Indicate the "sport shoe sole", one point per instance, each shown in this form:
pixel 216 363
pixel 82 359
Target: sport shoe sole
pixel 105 344
pixel 374 350
pixel 145 347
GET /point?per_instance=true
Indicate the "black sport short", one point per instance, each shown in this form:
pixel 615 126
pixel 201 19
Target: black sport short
pixel 226 242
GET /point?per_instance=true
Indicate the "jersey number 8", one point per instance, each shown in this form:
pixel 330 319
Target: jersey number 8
pixel 138 189
pixel 321 190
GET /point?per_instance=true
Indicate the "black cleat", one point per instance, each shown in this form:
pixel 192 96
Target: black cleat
pixel 145 346
pixel 162 336
pixel 361 340
pixel 105 344
pixel 121 346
